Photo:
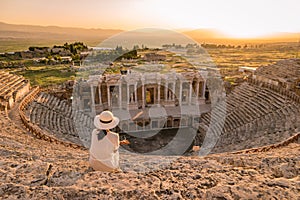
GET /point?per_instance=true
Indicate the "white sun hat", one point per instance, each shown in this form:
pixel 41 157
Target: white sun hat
pixel 106 120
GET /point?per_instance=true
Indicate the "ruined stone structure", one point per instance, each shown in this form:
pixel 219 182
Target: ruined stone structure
pixel 145 101
pixel 263 110
pixel 12 88
pixel 257 112
pixel 154 57
pixel 283 74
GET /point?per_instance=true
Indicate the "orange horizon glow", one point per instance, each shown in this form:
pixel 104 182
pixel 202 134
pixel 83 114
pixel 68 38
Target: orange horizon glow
pixel 233 18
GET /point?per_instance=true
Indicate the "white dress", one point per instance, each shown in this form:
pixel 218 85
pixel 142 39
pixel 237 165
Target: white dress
pixel 104 151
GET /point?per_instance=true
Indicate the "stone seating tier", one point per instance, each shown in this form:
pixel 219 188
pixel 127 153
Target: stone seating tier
pixel 56 116
pixel 252 112
pixel 12 88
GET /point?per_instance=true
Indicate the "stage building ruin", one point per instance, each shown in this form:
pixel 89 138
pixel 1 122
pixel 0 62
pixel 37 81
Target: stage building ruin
pixel 146 101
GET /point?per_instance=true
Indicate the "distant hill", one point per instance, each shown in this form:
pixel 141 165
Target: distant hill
pixel 20 37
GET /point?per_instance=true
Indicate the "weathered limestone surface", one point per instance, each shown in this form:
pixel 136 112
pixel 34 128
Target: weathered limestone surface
pixel 35 169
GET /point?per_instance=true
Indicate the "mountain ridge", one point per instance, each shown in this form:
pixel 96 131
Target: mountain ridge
pixel 16 37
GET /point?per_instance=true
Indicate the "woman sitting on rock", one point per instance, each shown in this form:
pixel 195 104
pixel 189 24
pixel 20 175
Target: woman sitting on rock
pixel 104 154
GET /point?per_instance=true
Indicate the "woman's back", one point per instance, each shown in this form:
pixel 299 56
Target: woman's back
pixel 104 155
pixel 105 148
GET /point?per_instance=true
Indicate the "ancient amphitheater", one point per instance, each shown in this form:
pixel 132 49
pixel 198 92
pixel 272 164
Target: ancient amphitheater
pixel 257 156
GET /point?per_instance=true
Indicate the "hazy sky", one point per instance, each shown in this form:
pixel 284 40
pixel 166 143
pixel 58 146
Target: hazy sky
pixel 242 18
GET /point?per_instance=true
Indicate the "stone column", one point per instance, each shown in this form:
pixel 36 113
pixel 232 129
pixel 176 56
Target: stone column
pixel 166 90
pixel 158 93
pixel 203 89
pixel 99 92
pixel 120 95
pixel 92 99
pixel 135 93
pixel 108 95
pixel 197 90
pixel 173 92
pixel 143 95
pixel 128 93
pixel 180 92
pixel 190 92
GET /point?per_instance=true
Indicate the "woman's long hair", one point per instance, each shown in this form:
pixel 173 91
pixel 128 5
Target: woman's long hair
pixel 101 134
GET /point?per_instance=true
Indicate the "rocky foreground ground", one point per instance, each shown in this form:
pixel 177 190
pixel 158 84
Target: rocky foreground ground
pixel 35 169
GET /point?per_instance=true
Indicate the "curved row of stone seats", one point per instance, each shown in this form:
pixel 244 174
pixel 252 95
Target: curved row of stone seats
pixel 84 126
pixel 274 122
pixel 58 105
pixel 8 83
pixel 44 117
pixel 12 88
pixel 51 120
pixel 284 69
pixel 5 76
pixel 251 112
pixel 39 133
pixel 56 116
pixel 6 87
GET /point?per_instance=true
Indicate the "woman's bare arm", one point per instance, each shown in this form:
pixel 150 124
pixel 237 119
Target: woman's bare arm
pixel 124 142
